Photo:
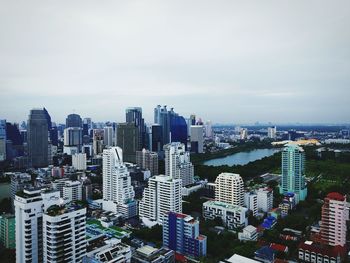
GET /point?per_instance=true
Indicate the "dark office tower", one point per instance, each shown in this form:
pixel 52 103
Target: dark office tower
pixel 193 119
pixel 74 120
pixel 54 135
pixel 178 129
pixel 14 143
pixel 134 115
pixel 37 138
pixel 156 138
pixel 162 117
pixel 128 140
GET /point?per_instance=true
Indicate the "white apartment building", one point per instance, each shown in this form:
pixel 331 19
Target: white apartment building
pixel 162 195
pixel 233 216
pixel 251 202
pixel 72 191
pixel 249 233
pixel 79 161
pixel 117 181
pixel 265 199
pixel 29 208
pixel 178 163
pixel 64 233
pixel 271 132
pixel 229 189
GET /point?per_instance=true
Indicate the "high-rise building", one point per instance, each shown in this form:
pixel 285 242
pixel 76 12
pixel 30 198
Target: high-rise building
pixel 7 231
pixel 117 181
pixel 128 140
pixel 2 140
pixel 293 172
pixel 197 139
pixel 181 234
pixel 208 130
pixel 147 160
pixel 229 188
pixel 243 134
pixel 271 132
pixel 97 141
pixel 178 163
pixel 335 213
pixel 29 208
pixel 134 115
pixel 108 136
pixel 73 138
pixel 64 233
pixel 156 140
pixel 37 138
pixel 265 199
pixel 174 126
pixel 74 120
pixel 162 195
pixel 79 161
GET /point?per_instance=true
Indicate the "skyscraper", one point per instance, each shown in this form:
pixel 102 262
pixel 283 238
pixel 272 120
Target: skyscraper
pixel 147 160
pixel 208 129
pixel 74 120
pixel 128 140
pixel 37 138
pixel 156 140
pixel 117 181
pixel 2 140
pixel 293 172
pixel 197 139
pixel 162 195
pixel 178 163
pixel 97 141
pixel 73 138
pixel 335 213
pixel 134 115
pixel 174 126
pixel 108 136
pixel 181 234
pixel 229 189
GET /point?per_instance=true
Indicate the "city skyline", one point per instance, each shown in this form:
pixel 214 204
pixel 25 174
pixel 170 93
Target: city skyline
pixel 233 62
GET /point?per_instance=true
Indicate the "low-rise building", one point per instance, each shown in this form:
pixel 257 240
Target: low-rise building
pixel 316 252
pixel 233 216
pixel 249 233
pixel 148 254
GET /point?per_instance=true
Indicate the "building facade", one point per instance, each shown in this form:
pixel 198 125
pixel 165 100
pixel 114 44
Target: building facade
pixel 181 234
pixel 293 172
pixel 229 189
pixel 147 160
pixel 178 163
pixel 116 180
pixel 197 139
pixel 232 216
pixel 38 138
pixel 7 231
pixel 162 195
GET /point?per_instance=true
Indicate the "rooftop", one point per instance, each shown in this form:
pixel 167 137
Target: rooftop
pixel 225 205
pixel 336 196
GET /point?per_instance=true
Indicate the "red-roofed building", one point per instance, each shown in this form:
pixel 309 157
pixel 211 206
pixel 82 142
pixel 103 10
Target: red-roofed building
pixel 279 247
pixel 315 252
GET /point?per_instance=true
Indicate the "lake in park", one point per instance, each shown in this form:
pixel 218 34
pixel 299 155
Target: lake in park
pixel 242 158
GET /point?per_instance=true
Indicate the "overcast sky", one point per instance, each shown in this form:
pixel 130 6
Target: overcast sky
pixel 227 61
